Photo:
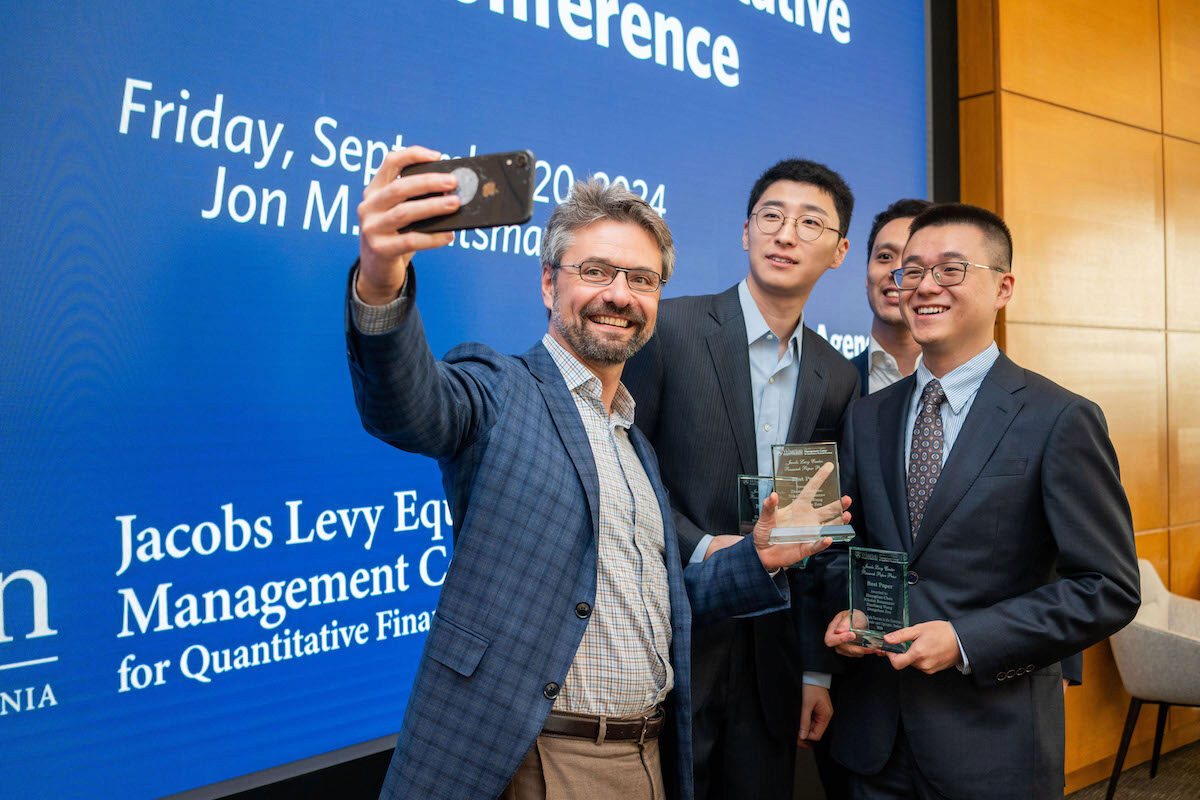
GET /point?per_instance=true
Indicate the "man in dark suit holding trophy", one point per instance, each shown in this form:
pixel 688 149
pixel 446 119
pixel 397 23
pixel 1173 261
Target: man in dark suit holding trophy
pixel 998 492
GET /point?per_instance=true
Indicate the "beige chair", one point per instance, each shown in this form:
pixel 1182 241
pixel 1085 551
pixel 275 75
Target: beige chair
pixel 1158 656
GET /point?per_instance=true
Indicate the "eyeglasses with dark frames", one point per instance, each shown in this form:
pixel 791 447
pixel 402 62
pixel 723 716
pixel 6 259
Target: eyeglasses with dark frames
pixel 947 273
pixel 808 227
pixel 599 273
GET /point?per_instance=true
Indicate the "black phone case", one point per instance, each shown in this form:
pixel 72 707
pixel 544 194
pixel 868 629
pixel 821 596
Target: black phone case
pixel 504 195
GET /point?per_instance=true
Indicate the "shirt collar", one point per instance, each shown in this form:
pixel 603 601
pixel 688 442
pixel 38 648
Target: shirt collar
pixel 877 355
pixel 962 382
pixel 756 325
pixel 583 381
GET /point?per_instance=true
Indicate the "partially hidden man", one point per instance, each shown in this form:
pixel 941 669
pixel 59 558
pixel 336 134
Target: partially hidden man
pixel 725 377
pixel 1003 490
pixel 891 351
pixel 558 664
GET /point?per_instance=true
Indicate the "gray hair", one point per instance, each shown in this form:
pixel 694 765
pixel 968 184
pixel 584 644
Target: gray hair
pixel 592 201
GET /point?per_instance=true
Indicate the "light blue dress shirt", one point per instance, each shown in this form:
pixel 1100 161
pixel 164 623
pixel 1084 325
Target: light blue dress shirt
pixel 772 388
pixel 772 380
pixel 960 385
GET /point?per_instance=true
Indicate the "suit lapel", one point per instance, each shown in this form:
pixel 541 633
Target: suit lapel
pixel 995 407
pixel 731 361
pixel 810 390
pixel 893 417
pixel 566 419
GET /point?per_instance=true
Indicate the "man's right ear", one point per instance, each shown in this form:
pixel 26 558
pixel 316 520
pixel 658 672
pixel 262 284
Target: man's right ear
pixel 547 287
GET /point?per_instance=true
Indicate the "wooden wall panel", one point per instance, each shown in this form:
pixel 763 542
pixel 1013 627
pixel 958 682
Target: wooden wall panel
pixel 1181 67
pixel 1099 56
pixel 1155 547
pixel 1185 560
pixel 1181 161
pixel 1063 137
pixel 977 151
pixel 1084 199
pixel 1095 710
pixel 1124 371
pixel 1183 398
pixel 976 55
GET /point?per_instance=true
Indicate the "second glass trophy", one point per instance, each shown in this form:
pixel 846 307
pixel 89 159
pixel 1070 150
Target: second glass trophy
pixel 878 596
pixel 752 490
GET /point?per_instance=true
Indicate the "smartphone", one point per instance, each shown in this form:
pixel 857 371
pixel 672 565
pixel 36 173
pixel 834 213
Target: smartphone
pixel 495 189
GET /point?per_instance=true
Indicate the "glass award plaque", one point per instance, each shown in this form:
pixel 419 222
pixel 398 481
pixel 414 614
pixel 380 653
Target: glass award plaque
pixel 878 596
pixel 810 497
pixel 752 490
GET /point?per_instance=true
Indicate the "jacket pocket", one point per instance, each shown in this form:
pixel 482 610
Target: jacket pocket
pixel 453 646
pixel 1004 466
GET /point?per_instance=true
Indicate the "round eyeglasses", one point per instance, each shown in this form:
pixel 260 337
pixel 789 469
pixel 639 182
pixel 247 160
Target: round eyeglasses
pixel 637 278
pixel 947 273
pixel 808 227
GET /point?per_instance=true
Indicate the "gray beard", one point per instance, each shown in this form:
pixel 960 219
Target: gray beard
pixel 589 347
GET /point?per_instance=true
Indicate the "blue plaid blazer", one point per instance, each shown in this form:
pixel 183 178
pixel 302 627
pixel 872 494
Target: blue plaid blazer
pixel 519 474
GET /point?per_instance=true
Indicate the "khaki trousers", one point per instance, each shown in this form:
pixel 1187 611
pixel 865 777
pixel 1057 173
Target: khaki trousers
pixel 565 768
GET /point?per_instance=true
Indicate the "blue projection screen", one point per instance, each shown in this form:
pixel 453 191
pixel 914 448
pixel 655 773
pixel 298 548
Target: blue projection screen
pixel 207 568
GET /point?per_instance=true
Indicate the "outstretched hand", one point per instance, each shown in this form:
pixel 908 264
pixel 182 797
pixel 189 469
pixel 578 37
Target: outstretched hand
pixel 777 556
pixel 799 513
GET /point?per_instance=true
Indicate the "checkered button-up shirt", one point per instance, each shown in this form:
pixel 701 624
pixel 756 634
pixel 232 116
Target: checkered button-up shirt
pixel 622 665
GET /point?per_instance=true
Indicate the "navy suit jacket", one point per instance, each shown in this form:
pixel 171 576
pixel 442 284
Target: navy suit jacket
pixel 1072 665
pixel 692 386
pixel 521 480
pixel 1026 546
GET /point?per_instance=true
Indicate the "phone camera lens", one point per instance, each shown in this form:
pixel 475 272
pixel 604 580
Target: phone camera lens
pixel 521 160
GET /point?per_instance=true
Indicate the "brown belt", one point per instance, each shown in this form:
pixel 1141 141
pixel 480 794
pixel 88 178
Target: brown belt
pixel 604 729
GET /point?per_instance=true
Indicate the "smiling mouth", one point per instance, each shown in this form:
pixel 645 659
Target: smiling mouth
pixel 782 260
pixel 925 311
pixel 616 322
pixel 892 293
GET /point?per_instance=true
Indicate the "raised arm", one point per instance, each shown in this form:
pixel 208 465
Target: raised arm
pixel 404 396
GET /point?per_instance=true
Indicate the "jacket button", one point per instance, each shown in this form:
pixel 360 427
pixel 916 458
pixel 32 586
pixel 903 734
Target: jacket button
pixel 1012 673
pixel 912 578
pixel 583 610
pixel 551 690
pixel 1029 668
pixel 999 676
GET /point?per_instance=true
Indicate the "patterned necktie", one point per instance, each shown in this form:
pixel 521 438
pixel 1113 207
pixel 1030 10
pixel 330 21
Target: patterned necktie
pixel 925 455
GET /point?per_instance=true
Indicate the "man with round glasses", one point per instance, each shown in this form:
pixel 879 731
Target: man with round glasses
pixel 724 378
pixel 1003 490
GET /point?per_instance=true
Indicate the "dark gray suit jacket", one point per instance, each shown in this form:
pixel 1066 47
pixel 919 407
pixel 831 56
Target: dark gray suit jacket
pixel 692 387
pixel 1026 546
pixel 862 363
